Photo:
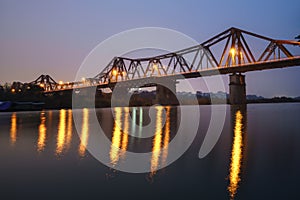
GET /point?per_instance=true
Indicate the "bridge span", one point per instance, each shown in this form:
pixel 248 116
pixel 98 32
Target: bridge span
pixel 235 56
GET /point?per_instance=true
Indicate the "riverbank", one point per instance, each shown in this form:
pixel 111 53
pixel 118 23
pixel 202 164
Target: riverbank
pixel 36 106
pixel 37 100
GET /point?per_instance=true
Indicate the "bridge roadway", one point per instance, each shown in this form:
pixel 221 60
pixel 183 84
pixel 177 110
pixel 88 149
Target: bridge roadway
pixel 151 81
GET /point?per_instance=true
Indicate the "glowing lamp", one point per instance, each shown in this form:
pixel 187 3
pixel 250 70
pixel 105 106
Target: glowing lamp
pixel 232 51
pixel 114 72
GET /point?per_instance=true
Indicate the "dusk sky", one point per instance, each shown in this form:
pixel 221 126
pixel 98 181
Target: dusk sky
pixel 54 37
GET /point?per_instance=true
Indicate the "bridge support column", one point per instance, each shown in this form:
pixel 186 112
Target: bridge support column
pixel 237 89
pixel 166 93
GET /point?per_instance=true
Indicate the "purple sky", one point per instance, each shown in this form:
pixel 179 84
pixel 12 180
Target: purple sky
pixel 53 37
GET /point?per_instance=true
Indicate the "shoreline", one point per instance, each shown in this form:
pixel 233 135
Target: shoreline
pixel 26 109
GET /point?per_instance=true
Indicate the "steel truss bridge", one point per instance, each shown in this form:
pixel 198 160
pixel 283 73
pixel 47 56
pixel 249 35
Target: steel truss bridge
pixel 236 56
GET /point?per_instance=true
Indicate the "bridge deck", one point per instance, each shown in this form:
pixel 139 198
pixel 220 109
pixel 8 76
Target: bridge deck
pixel 272 64
pixel 151 81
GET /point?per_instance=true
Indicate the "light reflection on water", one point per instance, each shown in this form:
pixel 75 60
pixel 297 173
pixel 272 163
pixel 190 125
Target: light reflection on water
pixel 69 129
pixel 125 133
pixel 64 131
pixel 13 128
pixel 120 136
pixel 84 133
pixel 116 137
pixel 42 133
pixel 160 140
pixel 61 134
pixel 156 147
pixel 239 124
pixel 51 133
pixel 166 137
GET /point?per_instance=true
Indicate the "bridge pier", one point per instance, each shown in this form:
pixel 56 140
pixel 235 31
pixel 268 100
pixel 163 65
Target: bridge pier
pixel 166 93
pixel 237 89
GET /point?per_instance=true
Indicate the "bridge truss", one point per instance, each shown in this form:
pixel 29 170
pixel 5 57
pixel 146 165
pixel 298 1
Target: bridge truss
pixel 235 53
pixel 236 56
pixel 46 82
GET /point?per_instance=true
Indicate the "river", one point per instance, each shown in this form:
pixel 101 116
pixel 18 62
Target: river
pixel 257 155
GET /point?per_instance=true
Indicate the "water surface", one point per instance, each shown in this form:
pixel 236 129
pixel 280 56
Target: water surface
pixel 256 157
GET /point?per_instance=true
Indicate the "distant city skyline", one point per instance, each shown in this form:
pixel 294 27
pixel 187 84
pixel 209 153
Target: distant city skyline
pixel 54 37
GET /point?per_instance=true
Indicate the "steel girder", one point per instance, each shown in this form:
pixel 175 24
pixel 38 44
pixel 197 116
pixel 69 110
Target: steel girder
pixel 235 51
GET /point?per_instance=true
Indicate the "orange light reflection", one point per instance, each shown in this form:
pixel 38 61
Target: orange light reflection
pixel 13 128
pixel 61 135
pixel 125 133
pixel 84 133
pixel 156 141
pixel 166 138
pixel 116 137
pixel 42 133
pixel 236 156
pixel 69 128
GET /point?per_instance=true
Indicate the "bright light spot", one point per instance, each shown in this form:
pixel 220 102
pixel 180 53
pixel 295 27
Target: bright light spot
pixel 83 79
pixel 60 82
pixel 42 133
pixel 124 73
pixel 61 135
pixel 156 143
pixel 236 155
pixel 13 128
pixel 42 85
pixel 155 66
pixel 13 90
pixel 116 140
pixel 84 133
pixel 114 72
pixel 232 51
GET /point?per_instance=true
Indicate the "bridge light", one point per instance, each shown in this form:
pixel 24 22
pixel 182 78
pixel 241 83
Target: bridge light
pixel 42 85
pixel 13 90
pixel 114 72
pixel 241 56
pixel 155 66
pixel 124 73
pixel 83 79
pixel 232 51
pixel 60 82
